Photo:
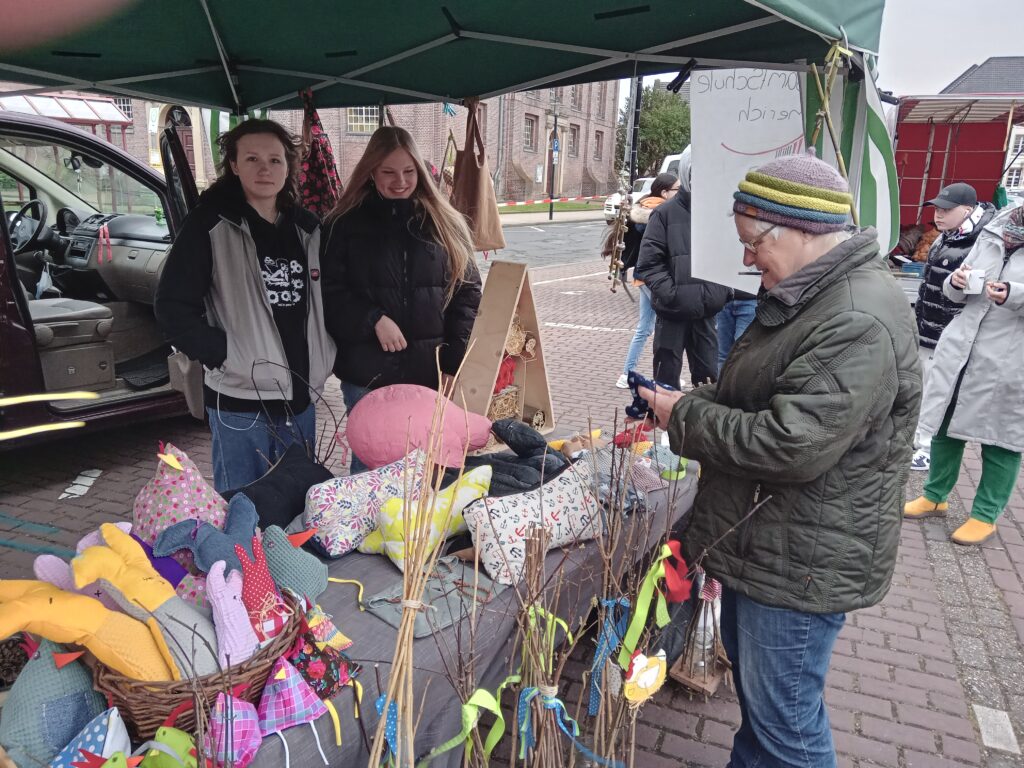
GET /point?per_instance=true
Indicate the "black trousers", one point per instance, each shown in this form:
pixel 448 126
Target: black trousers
pixel 697 338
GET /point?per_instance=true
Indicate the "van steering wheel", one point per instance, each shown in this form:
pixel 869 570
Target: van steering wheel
pixel 23 235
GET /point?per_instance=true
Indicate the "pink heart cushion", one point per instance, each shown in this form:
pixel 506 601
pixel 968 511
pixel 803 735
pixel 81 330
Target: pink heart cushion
pixel 389 422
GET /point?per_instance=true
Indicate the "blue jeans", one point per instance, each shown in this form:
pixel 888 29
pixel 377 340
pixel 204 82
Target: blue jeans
pixel 352 394
pixel 732 321
pixel 779 661
pixel 246 445
pixel 644 328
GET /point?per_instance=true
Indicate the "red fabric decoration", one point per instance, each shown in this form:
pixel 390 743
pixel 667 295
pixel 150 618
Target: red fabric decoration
pixel 634 433
pixel 506 374
pixel 677 585
pixel 319 183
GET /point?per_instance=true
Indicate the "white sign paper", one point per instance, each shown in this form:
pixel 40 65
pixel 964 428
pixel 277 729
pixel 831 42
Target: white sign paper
pixel 741 119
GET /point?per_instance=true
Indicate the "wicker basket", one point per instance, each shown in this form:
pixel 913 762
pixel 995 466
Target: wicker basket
pixel 145 705
pixel 505 404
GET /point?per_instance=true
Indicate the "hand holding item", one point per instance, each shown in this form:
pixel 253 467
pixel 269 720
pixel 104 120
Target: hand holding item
pixel 662 402
pixel 996 291
pixel 389 335
pixel 959 277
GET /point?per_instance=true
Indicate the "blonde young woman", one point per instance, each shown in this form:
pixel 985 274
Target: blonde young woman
pixel 399 274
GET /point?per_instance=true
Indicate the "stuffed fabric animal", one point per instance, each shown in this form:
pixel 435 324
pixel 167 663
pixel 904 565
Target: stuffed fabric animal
pixel 293 568
pixel 135 649
pixel 128 576
pixel 175 494
pixel 170 748
pixel 288 701
pixel 267 611
pixel 236 640
pixel 234 737
pixel 390 420
pixel 446 514
pixel 344 510
pixel 53 570
pixel 47 706
pixel 325 632
pixel 104 735
pixel 280 494
pixel 167 567
pixel 209 544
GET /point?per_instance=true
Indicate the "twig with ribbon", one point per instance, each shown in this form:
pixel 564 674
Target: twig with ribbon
pixel 677 584
pixel 616 621
pixel 549 700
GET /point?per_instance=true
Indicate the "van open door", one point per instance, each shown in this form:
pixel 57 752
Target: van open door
pixel 186 375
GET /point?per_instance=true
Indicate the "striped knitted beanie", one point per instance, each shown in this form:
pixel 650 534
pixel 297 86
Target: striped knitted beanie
pixel 799 191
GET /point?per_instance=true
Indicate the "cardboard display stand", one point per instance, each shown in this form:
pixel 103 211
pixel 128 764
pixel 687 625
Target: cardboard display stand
pixel 507 294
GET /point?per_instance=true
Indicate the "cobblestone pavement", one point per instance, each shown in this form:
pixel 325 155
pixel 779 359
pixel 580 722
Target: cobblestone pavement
pixel 907 676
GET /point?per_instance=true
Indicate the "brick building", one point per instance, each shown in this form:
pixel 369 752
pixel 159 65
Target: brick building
pixel 516 127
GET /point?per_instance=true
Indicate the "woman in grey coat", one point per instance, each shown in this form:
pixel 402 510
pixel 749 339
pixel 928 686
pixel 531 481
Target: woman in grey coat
pixel 976 391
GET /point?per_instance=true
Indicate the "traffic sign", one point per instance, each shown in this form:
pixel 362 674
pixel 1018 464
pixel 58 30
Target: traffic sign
pixel 554 145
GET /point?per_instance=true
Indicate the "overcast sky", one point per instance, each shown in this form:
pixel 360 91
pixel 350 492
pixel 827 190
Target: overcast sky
pixel 927 43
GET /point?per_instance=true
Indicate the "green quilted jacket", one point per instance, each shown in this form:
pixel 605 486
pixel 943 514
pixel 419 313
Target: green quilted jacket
pixel 816 408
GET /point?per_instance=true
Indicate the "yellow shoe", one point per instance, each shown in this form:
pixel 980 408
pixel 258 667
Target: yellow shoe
pixel 973 532
pixel 921 507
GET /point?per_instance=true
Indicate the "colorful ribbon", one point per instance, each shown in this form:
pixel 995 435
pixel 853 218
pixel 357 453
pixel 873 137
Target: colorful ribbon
pixel 614 629
pixel 555 705
pixel 391 726
pixel 677 585
pixel 551 625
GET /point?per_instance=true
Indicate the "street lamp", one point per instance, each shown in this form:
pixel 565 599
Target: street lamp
pixel 555 103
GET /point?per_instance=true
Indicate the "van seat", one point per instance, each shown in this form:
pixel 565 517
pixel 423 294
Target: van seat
pixel 65 322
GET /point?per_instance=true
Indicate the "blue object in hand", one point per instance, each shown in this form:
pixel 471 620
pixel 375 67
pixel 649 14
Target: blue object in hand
pixel 639 408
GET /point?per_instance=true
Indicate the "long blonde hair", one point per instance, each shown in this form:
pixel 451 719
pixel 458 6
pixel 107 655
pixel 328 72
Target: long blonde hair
pixel 449 226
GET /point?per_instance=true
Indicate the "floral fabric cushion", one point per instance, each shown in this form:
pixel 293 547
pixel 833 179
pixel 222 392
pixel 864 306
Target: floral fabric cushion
pixel 565 506
pixel 344 510
pixel 446 513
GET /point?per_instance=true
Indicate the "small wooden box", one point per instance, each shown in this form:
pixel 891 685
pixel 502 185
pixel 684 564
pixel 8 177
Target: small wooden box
pixel 507 294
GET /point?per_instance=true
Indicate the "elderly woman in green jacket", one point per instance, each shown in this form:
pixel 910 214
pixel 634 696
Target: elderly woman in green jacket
pixel 812 418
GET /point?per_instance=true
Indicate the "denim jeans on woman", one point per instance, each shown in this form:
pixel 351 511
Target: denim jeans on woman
pixel 246 445
pixel 779 662
pixel 732 321
pixel 352 394
pixel 644 328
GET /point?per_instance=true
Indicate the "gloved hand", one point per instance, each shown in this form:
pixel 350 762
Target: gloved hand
pixel 133 648
pixel 128 576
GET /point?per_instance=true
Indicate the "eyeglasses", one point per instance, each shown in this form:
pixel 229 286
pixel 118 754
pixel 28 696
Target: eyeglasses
pixel 674 189
pixel 756 242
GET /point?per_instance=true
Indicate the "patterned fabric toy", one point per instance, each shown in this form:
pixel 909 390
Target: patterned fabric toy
pixel 53 570
pixel 268 613
pixel 446 513
pixel 293 568
pixel 209 544
pixel 325 632
pixel 177 492
pixel 128 576
pixel 288 701
pixel 344 510
pixel 104 735
pixel 236 640
pixel 47 706
pixel 234 737
pixel 324 669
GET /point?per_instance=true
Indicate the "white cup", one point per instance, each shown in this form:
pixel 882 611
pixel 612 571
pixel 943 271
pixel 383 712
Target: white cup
pixel 975 281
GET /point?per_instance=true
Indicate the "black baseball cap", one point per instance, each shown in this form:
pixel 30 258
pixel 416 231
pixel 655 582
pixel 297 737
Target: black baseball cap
pixel 954 195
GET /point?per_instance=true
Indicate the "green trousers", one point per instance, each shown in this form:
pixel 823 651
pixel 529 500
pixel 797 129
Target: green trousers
pixel 999 469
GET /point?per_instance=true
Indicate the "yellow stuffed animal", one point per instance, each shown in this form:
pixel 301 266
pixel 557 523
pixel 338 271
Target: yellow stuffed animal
pixel 389 537
pixel 134 649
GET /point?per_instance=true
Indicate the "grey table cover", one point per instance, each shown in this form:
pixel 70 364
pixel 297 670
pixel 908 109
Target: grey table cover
pixel 374 642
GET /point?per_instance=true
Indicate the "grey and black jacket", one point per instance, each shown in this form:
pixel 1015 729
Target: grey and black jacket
pixel 211 302
pixel 816 409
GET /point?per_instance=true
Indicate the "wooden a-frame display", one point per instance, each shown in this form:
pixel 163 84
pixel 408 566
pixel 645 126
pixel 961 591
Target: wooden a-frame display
pixel 507 294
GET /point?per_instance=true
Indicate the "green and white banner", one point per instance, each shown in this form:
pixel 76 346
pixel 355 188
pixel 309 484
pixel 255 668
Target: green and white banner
pixel 216 122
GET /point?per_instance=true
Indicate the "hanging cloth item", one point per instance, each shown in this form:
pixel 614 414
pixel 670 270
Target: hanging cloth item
pixel 473 190
pixel 319 183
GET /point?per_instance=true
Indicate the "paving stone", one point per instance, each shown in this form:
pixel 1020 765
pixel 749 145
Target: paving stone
pixel 955 726
pixel 897 733
pixel 868 749
pixel 960 749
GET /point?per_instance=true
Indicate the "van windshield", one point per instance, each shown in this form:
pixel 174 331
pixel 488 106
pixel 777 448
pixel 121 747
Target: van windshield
pixel 97 184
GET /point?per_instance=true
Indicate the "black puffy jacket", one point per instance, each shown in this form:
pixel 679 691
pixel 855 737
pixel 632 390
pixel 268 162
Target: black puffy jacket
pixel 381 258
pixel 664 266
pixel 933 309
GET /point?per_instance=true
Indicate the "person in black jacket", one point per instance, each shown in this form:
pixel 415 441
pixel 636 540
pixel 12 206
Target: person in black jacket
pixel 240 293
pixel 399 276
pixel 685 306
pixel 960 218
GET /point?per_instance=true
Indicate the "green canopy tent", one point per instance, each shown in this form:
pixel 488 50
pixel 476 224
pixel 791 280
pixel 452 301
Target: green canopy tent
pixel 239 55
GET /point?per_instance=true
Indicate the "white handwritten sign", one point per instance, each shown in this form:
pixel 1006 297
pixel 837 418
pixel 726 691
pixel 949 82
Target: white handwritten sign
pixel 740 119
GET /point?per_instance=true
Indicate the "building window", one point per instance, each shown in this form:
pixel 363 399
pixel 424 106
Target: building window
pixel 1013 177
pixel 576 96
pixel 363 119
pixel 530 133
pixel 598 145
pixel 533 94
pixel 1018 144
pixel 125 105
pixel 574 141
pixel 602 89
